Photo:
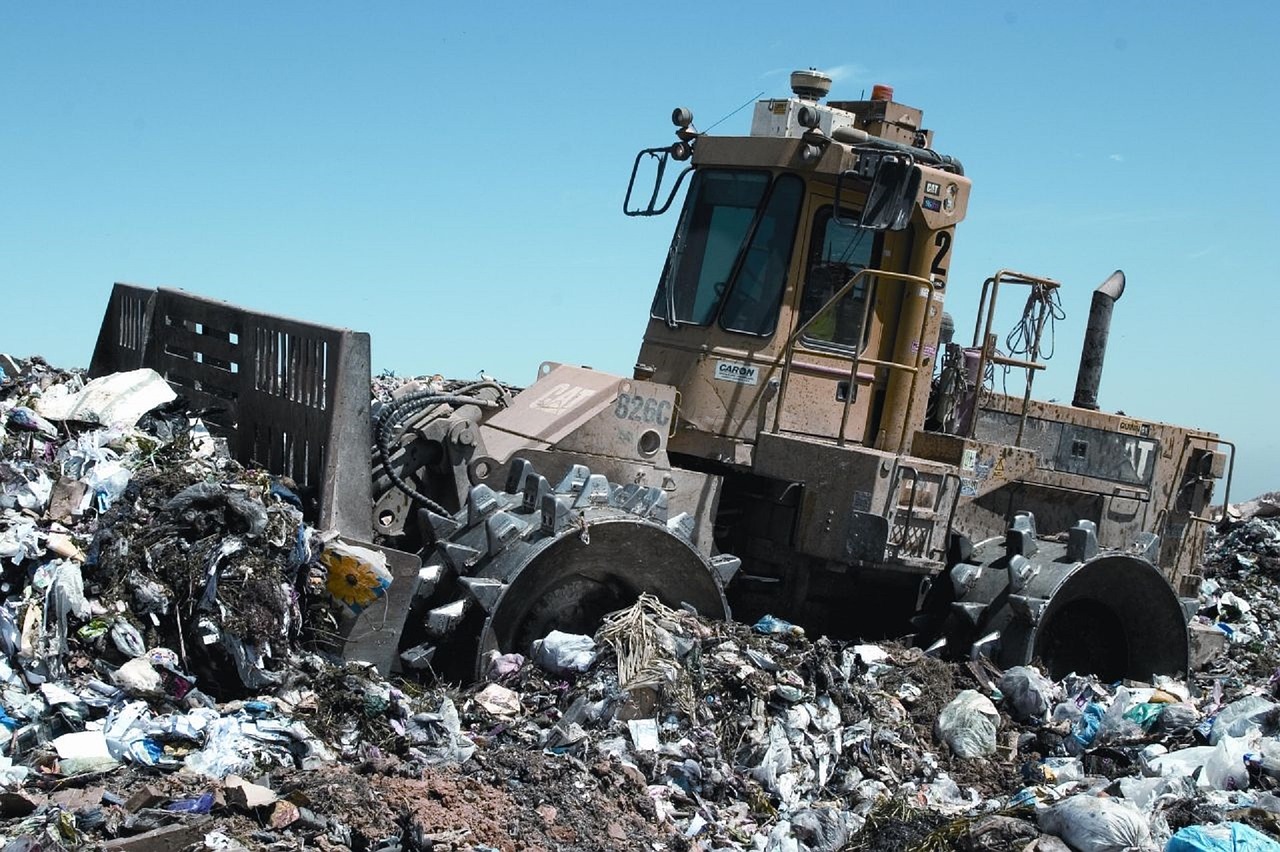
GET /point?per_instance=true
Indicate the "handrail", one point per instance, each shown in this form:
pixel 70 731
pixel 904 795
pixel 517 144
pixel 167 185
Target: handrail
pixel 1162 517
pixel 901 472
pixel 892 504
pixel 858 358
pixel 1231 469
pixel 982 335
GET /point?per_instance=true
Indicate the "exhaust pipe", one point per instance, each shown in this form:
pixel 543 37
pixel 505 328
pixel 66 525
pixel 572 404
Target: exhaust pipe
pixel 1095 341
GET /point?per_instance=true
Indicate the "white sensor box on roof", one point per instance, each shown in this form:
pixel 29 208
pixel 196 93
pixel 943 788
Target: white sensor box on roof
pixel 778 118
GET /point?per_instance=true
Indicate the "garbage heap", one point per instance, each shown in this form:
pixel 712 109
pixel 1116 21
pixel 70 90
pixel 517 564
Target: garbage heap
pixel 170 679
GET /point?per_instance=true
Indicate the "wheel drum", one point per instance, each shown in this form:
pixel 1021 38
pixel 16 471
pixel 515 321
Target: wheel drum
pixel 570 585
pixel 514 565
pixel 1115 616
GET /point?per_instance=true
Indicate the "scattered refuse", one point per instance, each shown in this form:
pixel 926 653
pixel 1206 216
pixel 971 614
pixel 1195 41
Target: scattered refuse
pixel 1098 824
pixel 171 676
pixel 968 724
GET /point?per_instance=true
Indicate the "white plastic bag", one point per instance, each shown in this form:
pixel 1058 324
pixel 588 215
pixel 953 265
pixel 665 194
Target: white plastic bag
pixel 968 724
pixel 1114 725
pixel 1238 717
pixel 560 653
pixel 1225 768
pixel 118 398
pixel 1097 824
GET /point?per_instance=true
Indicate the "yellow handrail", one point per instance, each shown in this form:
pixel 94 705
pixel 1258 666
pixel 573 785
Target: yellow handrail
pixel 858 359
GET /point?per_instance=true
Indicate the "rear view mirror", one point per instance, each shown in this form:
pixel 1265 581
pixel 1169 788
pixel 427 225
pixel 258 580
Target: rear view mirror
pixel 895 183
pixel 657 159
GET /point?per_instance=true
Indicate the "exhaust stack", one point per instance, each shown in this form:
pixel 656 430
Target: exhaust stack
pixel 1095 341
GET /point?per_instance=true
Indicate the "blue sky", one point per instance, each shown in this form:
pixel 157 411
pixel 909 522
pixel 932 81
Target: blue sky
pixel 450 178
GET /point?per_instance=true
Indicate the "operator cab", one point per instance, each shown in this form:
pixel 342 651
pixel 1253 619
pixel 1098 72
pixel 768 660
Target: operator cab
pixel 802 290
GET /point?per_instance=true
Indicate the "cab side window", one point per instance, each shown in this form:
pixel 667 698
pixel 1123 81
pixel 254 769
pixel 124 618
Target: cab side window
pixel 837 253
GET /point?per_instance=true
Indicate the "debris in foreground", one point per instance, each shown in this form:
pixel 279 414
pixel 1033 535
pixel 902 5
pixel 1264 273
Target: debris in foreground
pixel 171 679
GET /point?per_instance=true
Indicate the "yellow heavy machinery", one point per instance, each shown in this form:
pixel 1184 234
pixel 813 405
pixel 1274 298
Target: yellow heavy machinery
pixel 801 435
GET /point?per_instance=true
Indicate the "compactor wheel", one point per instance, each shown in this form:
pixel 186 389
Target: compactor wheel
pixel 1067 604
pixel 513 565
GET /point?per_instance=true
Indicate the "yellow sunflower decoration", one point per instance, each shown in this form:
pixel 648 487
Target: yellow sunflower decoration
pixel 358 576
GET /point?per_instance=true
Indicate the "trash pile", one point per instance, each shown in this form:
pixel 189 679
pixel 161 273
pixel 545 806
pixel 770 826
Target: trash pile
pixel 170 679
pixel 1239 594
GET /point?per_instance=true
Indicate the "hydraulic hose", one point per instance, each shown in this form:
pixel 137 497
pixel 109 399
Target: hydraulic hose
pixel 402 409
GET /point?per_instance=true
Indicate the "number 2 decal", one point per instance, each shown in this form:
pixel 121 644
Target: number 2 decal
pixel 943 242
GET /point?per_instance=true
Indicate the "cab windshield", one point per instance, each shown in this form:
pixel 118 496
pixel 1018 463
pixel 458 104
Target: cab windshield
pixel 731 251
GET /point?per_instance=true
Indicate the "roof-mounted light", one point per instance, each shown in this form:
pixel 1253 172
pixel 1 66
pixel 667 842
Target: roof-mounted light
pixel 682 118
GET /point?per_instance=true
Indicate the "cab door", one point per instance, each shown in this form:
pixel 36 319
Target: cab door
pixel 835 253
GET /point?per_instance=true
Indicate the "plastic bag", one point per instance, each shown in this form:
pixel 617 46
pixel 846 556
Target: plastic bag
pixel 1181 762
pixel 1062 769
pixel 1093 824
pixel 1144 715
pixel 824 829
pixel 500 666
pixel 1224 837
pixel 106 483
pixel 117 398
pixel 24 419
pixel 127 638
pixel 1225 769
pixel 227 750
pixel 66 598
pixel 439 736
pixel 138 677
pixel 771 625
pixel 775 770
pixel 207 505
pixel 968 724
pixel 1027 693
pixel 1115 724
pixel 20 539
pixel 12 775
pixel 1238 717
pixel 1086 728
pixel 1176 718
pixel 1142 791
pixel 560 653
pixel 24 486
pixel 358 576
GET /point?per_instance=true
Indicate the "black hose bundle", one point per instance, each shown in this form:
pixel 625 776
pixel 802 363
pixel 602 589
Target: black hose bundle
pixel 402 410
